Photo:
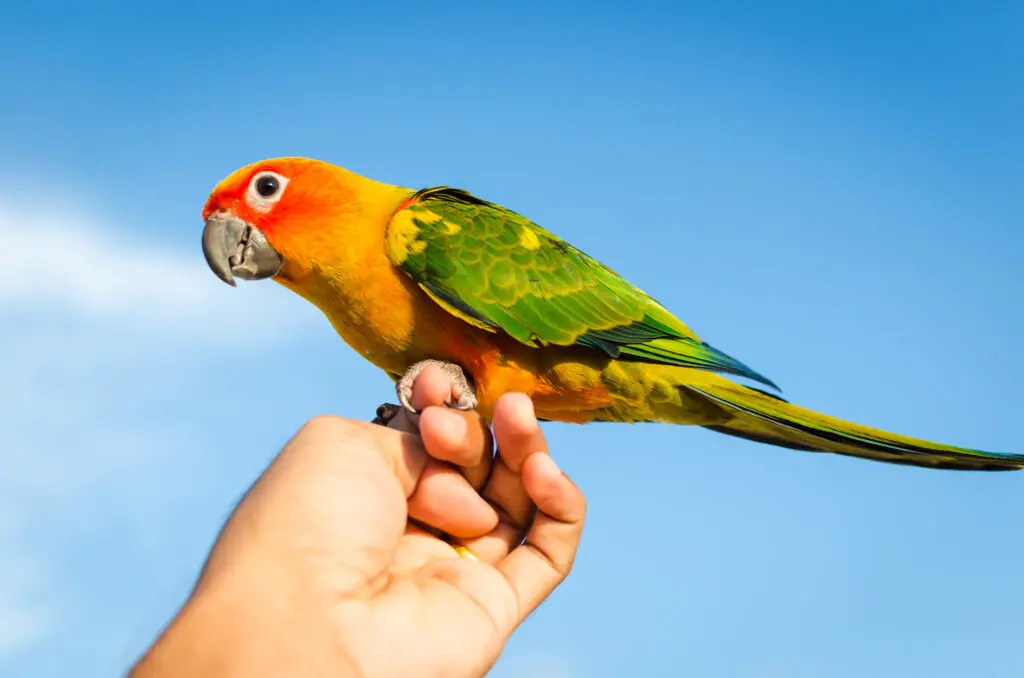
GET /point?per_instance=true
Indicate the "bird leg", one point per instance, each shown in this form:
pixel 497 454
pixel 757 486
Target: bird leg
pixel 385 413
pixel 463 393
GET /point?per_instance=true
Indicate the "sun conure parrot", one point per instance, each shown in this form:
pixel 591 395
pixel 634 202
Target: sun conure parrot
pixel 409 278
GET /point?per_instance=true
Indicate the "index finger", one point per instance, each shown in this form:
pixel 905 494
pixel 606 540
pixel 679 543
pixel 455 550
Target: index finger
pixel 537 566
pixel 460 450
pixel 461 438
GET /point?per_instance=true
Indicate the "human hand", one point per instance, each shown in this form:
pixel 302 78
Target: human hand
pixel 320 572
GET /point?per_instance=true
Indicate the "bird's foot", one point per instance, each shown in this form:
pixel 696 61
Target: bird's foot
pixel 463 395
pixel 385 413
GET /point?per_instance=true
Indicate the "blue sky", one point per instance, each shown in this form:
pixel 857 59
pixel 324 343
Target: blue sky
pixel 831 194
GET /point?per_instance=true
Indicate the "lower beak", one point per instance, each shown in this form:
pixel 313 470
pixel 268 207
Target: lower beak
pixel 235 248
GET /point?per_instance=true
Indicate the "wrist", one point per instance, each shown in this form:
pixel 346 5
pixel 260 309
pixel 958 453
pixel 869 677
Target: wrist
pixel 221 634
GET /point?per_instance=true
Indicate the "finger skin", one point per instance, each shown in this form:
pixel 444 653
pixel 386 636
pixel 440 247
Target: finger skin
pixel 460 452
pixel 461 438
pixel 518 435
pixel 544 560
pixel 431 388
pixel 531 570
pixel 436 493
pixel 444 499
pixel 354 465
pixel 527 477
pixel 516 430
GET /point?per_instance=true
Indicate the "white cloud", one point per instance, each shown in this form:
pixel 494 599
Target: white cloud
pixel 22 620
pixel 63 261
pixel 93 326
pixel 24 616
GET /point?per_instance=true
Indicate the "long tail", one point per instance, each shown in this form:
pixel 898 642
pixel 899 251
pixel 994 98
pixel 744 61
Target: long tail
pixel 769 419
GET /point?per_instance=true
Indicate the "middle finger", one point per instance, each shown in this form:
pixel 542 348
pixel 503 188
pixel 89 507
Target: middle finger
pixel 518 436
pixel 461 450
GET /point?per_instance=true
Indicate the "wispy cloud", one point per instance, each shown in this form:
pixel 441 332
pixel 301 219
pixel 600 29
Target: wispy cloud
pixel 64 262
pixel 24 613
pixel 94 327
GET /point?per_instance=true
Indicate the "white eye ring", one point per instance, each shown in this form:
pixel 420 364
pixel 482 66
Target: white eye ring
pixel 265 189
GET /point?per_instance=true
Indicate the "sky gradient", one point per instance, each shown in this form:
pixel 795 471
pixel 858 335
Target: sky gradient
pixel 831 195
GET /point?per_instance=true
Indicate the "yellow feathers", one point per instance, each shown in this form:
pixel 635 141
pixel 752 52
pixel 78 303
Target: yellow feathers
pixel 529 239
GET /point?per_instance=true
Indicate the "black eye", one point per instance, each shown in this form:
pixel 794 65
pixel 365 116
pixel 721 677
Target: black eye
pixel 267 185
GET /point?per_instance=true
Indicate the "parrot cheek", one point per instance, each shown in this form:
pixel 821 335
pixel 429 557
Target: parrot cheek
pixel 234 248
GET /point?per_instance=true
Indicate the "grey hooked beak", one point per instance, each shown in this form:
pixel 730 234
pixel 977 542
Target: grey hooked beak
pixel 235 248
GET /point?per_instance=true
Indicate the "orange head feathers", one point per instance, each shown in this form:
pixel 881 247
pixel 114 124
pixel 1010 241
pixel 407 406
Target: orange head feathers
pixel 282 196
pixel 287 216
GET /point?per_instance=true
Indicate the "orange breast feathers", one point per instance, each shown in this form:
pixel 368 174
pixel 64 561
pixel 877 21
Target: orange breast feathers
pixel 330 227
pixel 330 230
pixel 389 320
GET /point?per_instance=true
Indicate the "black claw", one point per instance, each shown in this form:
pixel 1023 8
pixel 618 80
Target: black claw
pixel 385 413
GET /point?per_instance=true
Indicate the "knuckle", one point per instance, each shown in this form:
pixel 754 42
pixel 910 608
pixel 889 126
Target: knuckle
pixel 325 428
pixel 324 424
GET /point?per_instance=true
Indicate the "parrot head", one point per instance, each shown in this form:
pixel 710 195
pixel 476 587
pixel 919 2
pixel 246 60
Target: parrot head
pixel 276 217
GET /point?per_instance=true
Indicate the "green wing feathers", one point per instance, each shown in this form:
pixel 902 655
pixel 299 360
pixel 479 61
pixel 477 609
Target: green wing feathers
pixel 501 272
pixel 769 419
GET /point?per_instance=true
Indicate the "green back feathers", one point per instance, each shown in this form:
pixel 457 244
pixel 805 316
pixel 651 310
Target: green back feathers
pixel 499 271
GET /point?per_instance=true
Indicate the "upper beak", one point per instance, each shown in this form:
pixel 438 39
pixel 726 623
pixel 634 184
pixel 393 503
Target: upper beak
pixel 235 248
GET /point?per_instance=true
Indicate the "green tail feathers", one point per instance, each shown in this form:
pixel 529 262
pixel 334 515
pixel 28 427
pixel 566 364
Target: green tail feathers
pixel 769 419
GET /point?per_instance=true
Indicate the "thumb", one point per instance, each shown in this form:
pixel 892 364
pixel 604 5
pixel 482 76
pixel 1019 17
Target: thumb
pixel 336 491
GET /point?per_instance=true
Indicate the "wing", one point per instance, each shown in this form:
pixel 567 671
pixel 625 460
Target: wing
pixel 500 272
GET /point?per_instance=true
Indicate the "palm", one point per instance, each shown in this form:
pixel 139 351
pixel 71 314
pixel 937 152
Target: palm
pixel 437 609
pixel 446 613
pixel 322 569
pixel 337 514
